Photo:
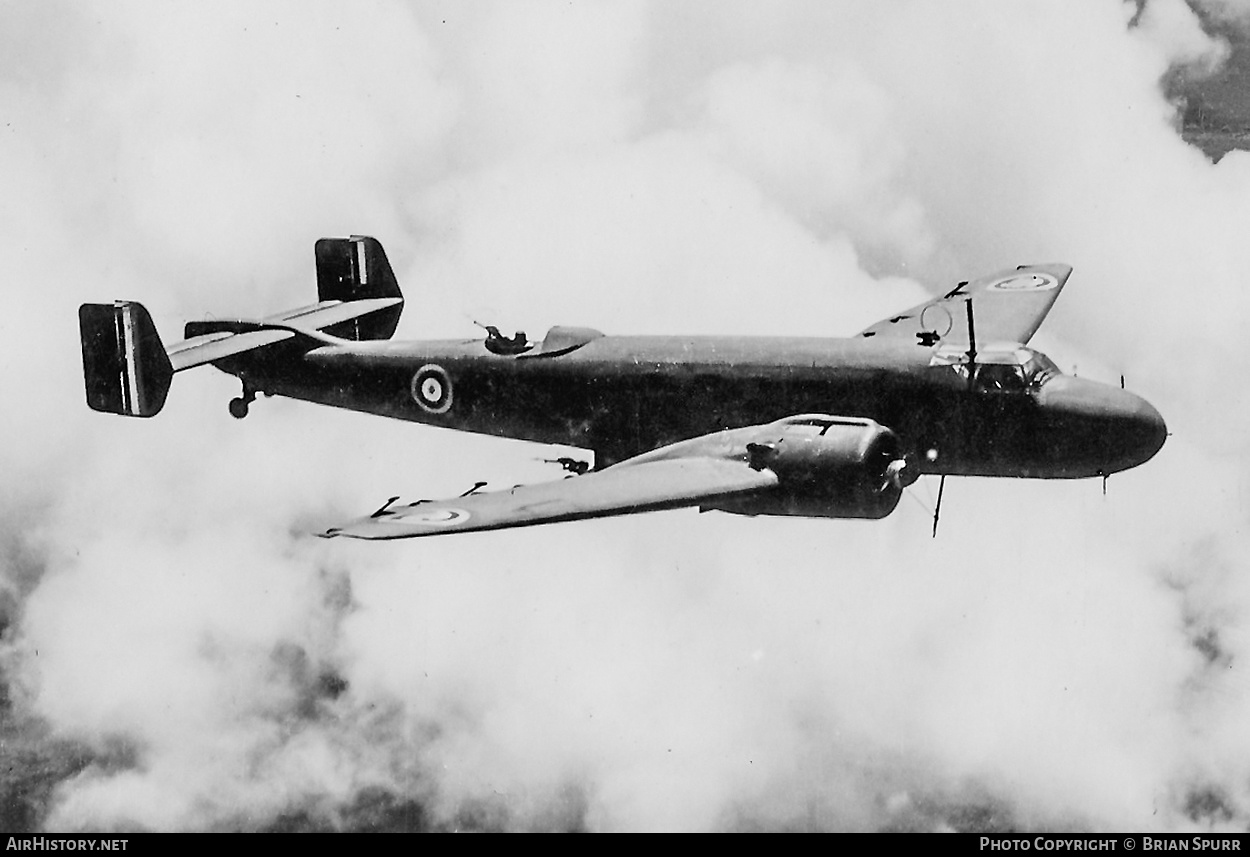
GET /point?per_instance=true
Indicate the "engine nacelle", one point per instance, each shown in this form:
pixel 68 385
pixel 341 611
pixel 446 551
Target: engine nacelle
pixel 831 467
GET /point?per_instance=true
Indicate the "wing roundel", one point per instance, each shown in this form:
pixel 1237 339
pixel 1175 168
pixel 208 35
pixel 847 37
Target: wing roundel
pixel 1008 306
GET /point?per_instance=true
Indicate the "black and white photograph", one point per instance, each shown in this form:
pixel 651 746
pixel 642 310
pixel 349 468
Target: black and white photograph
pixel 626 416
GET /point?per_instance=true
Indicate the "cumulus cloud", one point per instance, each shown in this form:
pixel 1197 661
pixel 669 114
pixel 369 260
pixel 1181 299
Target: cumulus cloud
pixel 179 654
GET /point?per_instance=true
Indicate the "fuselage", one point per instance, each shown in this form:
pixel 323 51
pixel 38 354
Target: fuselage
pixel 624 395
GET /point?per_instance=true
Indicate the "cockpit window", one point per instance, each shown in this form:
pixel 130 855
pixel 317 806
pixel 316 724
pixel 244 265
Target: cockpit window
pixel 999 378
pixel 998 369
pixel 1039 368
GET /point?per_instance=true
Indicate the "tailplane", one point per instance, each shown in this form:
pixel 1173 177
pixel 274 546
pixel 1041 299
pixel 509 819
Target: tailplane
pixel 128 369
pixel 125 365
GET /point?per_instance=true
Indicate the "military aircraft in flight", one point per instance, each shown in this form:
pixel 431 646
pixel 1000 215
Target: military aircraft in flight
pixel 819 427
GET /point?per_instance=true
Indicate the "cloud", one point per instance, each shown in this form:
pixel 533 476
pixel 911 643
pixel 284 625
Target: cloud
pixel 1231 11
pixel 179 654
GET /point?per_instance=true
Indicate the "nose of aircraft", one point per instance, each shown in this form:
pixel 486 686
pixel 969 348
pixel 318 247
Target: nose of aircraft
pixel 1107 429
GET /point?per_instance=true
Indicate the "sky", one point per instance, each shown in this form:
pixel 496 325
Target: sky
pixel 179 653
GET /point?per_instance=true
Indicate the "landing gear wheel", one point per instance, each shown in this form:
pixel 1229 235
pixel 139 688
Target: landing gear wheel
pixel 239 406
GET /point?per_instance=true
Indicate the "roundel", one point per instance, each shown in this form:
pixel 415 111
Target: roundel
pixel 934 316
pixel 435 517
pixel 1024 283
pixel 431 389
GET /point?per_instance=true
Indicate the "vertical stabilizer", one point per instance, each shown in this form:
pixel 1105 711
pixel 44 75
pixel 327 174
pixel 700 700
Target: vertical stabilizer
pixel 352 269
pixel 124 362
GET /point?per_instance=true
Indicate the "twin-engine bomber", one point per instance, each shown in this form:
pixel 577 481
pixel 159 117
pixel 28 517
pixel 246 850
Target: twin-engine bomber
pixel 816 427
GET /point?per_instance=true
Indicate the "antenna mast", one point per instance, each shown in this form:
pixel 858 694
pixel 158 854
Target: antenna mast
pixel 937 510
pixel 972 344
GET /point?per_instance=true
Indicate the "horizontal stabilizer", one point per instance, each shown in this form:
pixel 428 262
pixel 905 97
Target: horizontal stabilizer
pixel 210 341
pixel 210 347
pixel 124 363
pixel 327 314
pixel 359 300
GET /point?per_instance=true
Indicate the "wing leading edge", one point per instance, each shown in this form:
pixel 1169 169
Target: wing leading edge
pixel 1007 307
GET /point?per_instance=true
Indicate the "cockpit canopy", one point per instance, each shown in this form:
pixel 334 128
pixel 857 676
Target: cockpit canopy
pixel 1000 367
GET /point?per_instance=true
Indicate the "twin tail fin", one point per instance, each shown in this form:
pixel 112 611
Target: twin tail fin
pixel 128 370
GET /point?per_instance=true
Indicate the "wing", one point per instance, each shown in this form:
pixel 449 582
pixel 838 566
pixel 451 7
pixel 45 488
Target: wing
pixel 1007 307
pixel 623 489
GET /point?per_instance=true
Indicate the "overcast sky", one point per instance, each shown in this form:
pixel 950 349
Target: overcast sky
pixel 1054 660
